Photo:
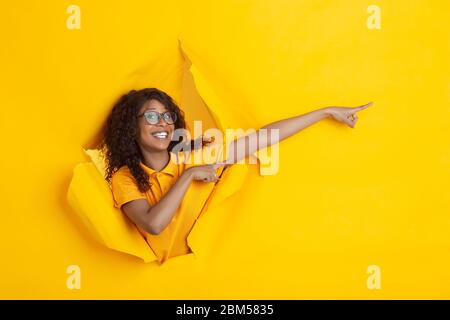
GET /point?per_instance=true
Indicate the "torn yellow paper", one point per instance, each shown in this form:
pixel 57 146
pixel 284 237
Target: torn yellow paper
pixel 91 198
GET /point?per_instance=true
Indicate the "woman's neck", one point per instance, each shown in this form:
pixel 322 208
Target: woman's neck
pixel 156 160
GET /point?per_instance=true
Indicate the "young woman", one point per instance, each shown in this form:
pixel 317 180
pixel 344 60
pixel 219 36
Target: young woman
pixel 137 142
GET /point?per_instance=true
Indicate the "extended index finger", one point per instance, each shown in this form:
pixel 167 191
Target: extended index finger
pixel 218 165
pixel 364 106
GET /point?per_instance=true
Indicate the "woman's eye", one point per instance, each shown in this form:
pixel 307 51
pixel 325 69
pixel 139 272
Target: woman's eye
pixel 151 116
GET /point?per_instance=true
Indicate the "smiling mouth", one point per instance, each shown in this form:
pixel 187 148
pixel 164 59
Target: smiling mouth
pixel 162 135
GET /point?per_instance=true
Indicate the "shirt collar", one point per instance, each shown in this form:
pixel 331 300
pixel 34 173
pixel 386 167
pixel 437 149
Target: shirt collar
pixel 171 168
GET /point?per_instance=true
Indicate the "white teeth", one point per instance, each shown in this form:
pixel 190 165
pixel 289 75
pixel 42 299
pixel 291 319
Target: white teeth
pixel 160 135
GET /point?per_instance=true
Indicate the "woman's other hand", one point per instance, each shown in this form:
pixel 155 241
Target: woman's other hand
pixel 205 173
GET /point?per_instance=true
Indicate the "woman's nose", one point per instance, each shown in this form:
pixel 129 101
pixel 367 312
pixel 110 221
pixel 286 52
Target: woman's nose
pixel 161 122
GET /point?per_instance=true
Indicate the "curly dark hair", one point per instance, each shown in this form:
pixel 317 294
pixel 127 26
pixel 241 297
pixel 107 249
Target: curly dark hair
pixel 119 144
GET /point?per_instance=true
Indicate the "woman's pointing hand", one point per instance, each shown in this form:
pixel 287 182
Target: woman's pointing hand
pixel 347 115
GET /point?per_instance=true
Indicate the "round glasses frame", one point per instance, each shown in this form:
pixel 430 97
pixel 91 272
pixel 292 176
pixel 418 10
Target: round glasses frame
pixel 153 117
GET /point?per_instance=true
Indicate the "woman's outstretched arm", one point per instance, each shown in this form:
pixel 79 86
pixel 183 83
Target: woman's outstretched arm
pixel 260 139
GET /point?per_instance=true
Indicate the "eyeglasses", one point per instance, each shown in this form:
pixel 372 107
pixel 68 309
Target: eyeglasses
pixel 153 117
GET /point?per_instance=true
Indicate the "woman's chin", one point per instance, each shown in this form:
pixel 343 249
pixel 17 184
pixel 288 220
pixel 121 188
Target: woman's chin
pixel 160 146
pixel 153 144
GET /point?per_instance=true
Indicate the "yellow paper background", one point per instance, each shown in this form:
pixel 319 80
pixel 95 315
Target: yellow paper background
pixel 343 199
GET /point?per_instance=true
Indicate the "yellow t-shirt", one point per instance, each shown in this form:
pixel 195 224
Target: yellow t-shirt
pixel 172 240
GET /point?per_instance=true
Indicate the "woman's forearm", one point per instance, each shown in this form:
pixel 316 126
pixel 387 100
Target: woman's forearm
pixel 290 126
pixel 162 212
pixel 261 139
